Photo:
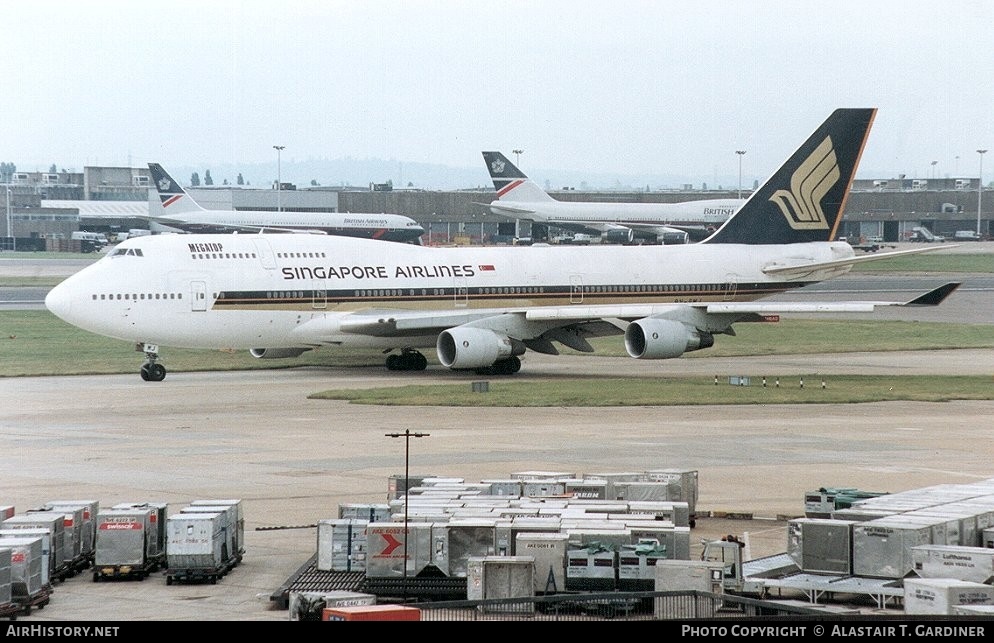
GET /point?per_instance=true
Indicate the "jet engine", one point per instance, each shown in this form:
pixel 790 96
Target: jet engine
pixel 624 236
pixel 651 338
pixel 277 353
pixel 463 347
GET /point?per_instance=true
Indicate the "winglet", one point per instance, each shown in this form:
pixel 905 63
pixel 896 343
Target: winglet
pixel 935 296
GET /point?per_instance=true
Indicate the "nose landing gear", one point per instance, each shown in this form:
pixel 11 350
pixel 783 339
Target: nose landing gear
pixel 151 370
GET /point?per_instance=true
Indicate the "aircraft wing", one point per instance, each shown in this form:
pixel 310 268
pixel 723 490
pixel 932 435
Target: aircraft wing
pixel 570 324
pixel 505 208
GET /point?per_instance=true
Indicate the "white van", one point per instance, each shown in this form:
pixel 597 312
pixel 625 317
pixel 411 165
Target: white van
pixel 96 238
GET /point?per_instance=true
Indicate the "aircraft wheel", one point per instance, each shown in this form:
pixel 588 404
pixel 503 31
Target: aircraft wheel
pixel 146 372
pixel 392 362
pixel 421 363
pixel 158 373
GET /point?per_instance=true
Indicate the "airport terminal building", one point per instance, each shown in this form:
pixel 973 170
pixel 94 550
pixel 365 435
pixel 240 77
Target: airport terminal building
pixel 44 207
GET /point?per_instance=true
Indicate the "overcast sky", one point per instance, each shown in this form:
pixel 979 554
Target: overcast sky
pixel 627 87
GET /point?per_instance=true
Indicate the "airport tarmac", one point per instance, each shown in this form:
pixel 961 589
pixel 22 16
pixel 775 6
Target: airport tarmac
pixel 291 460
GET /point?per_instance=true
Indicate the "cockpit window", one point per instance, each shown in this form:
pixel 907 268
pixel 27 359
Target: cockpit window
pixel 131 252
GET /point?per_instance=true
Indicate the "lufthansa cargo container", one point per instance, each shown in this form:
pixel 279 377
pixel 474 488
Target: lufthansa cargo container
pixel 194 546
pixel 974 564
pixel 882 547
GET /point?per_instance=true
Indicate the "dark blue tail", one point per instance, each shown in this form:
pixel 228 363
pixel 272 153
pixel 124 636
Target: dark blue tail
pixel 803 201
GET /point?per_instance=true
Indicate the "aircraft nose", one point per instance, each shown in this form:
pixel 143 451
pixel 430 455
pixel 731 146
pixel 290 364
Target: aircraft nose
pixel 58 302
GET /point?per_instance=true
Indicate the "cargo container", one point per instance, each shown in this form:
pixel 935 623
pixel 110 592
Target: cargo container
pixel 636 566
pixel 238 551
pixel 123 548
pixel 592 568
pixel 54 522
pixel 156 529
pixel 73 529
pixel 821 546
pixel 194 547
pixel 227 522
pixel 309 606
pixel 48 558
pixel 501 577
pixel 342 545
pixel 398 484
pixel 549 553
pixel 6 511
pixel 974 564
pixel 8 608
pixel 941 595
pixel 882 547
pixel 88 528
pixel 370 512
pixel 372 613
pixel 27 588
pixel 387 547
pixel 458 540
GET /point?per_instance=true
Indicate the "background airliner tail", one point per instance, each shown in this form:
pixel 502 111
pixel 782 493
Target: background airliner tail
pixel 803 201
pixel 510 182
pixel 173 197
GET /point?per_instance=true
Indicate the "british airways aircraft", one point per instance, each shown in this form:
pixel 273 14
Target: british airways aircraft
pixel 481 309
pixel 182 213
pixel 519 197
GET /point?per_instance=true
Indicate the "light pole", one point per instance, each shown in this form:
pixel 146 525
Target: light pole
pixel 741 153
pixel 517 156
pixel 10 231
pixel 279 177
pixel 407 435
pixel 980 188
pixel 934 175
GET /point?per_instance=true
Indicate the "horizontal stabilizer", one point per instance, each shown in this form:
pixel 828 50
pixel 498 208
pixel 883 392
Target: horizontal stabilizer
pixel 936 296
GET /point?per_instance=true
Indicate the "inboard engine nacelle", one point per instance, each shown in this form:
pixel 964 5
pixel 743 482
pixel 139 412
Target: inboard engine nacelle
pixel 462 347
pixel 663 338
pixel 277 353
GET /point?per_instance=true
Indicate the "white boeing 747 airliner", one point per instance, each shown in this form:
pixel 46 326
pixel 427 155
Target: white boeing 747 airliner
pixel 182 213
pixel 519 197
pixel 279 295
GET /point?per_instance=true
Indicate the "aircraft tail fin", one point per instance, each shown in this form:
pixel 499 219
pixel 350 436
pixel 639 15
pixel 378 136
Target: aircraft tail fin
pixel 173 197
pixel 804 200
pixel 510 182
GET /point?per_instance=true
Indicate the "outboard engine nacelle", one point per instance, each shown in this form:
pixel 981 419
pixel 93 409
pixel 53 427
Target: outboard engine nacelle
pixel 663 339
pixel 277 353
pixel 472 347
pixel 623 236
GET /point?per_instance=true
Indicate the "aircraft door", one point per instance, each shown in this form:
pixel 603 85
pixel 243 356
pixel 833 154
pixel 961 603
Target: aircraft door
pixel 319 296
pixel 576 289
pixel 461 293
pixel 265 253
pixel 198 296
pixel 730 287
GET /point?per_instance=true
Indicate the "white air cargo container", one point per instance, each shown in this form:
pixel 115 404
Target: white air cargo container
pixel 586 489
pixel 549 552
pixel 398 484
pixel 54 522
pixel 676 540
pixel 941 595
pixel 676 512
pixel 25 567
pixel 123 544
pixel 48 559
pixel 194 547
pixel 821 546
pixel 342 545
pixel 656 491
pixel 495 577
pixel 974 564
pixel 456 541
pixel 227 521
pixel 238 540
pixel 507 530
pixel 89 527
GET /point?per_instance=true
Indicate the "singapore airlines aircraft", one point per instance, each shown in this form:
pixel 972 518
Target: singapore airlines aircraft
pixel 182 213
pixel 521 198
pixel 482 308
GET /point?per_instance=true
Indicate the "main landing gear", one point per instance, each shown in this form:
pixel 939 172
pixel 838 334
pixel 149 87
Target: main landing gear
pixel 408 360
pixel 508 366
pixel 151 370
